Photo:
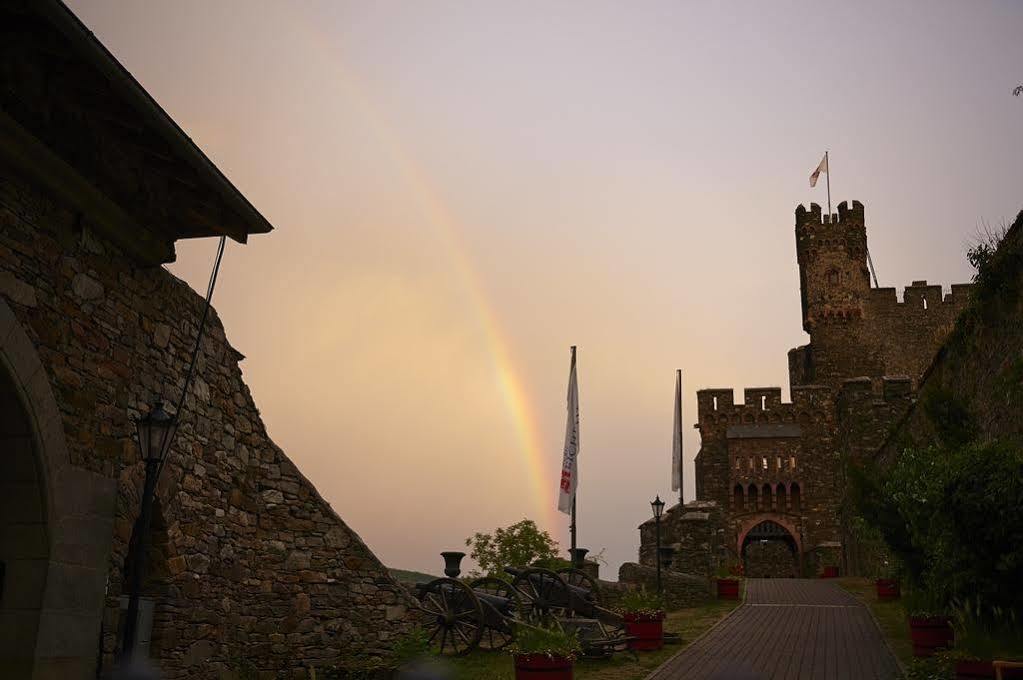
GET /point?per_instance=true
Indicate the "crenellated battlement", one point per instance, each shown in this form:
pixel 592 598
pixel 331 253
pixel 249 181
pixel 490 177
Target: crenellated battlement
pixel 760 402
pixel 919 295
pixel 846 215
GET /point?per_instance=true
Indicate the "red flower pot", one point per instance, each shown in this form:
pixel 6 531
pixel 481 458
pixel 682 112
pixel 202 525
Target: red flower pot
pixel 543 667
pixel 930 634
pixel 647 629
pixel 830 572
pixel 888 589
pixel 728 589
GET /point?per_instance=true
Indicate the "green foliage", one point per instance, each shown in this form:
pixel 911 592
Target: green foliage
pixel 953 517
pixel 952 420
pixel 640 601
pixel 991 633
pixel 518 545
pixel 938 667
pixel 543 640
pixel 552 563
pixel 411 646
pixel 730 568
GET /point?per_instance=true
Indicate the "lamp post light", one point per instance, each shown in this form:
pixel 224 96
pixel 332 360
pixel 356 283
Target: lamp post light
pixel 155 432
pixel 657 505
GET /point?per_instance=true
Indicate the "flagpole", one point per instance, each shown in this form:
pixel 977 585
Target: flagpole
pixel 572 527
pixel 681 463
pixel 827 164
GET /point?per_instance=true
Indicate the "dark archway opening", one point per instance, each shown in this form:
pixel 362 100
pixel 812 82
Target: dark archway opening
pixel 769 551
pixel 24 541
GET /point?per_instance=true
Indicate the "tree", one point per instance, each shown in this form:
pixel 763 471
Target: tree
pixel 518 545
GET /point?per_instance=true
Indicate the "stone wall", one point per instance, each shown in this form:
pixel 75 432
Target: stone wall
pixel 680 590
pixel 981 363
pixel 696 532
pixel 252 563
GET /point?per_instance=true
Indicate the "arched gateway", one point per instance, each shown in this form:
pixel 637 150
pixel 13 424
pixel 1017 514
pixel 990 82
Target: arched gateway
pixel 769 550
pixel 55 526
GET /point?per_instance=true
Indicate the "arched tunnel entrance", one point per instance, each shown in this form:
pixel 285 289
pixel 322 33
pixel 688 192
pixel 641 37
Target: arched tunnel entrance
pixel 769 551
pixel 24 545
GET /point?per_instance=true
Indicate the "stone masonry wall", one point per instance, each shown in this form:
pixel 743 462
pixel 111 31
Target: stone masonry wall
pixel 254 563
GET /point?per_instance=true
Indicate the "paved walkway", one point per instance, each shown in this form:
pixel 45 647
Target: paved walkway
pixel 788 628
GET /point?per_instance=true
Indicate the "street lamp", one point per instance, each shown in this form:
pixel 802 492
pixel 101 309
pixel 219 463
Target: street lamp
pixel 657 505
pixel 155 432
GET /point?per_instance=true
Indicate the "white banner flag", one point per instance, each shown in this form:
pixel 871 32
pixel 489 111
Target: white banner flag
pixel 676 448
pixel 569 468
pixel 821 167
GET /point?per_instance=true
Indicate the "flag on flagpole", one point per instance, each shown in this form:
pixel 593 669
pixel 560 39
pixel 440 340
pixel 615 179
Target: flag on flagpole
pixel 676 448
pixel 569 469
pixel 822 167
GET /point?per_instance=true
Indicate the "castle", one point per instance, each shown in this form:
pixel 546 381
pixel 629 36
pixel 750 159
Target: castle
pixel 770 474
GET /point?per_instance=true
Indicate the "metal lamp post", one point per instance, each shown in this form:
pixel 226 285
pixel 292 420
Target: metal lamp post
pixel 657 505
pixel 155 433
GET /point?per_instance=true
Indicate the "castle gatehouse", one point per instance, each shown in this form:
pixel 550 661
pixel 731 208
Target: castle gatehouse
pixel 774 470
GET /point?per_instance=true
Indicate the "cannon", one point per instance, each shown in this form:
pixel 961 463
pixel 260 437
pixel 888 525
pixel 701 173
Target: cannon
pixel 484 613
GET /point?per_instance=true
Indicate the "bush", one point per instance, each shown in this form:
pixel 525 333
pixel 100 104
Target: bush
pixel 639 601
pixel 954 518
pixel 547 641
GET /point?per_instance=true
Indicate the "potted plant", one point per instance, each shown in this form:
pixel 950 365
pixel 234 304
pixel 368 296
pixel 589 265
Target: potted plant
pixel 983 635
pixel 887 583
pixel 729 574
pixel 930 628
pixel 542 653
pixel 829 566
pixel 644 619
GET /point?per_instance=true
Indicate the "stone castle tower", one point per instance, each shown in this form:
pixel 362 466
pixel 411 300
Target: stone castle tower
pixel 776 468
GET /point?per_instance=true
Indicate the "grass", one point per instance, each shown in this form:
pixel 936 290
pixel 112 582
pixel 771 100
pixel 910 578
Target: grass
pixel 690 623
pixel 891 616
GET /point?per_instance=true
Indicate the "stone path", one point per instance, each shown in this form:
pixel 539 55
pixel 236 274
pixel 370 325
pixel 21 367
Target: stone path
pixel 788 628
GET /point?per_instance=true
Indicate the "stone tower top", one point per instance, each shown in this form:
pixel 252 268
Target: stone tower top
pixel 832 253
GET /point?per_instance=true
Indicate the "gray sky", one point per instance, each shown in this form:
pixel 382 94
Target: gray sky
pixel 462 190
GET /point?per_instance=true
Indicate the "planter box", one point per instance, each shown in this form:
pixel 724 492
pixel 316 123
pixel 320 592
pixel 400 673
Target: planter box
pixel 830 572
pixel 647 629
pixel 728 589
pixel 888 589
pixel 543 667
pixel 930 634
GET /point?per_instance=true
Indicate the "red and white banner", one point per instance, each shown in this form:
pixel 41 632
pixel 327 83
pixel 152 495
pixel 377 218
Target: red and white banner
pixel 569 467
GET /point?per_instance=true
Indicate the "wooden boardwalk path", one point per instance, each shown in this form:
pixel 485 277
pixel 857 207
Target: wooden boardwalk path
pixel 788 628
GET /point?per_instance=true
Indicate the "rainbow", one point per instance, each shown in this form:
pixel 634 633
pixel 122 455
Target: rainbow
pixel 515 398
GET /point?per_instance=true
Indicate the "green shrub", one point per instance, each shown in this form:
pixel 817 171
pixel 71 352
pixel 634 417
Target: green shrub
pixel 640 601
pixel 954 519
pixel 411 646
pixel 543 640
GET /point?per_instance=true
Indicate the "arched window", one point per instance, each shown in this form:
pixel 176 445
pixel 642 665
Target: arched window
pixel 751 498
pixel 738 500
pixel 781 499
pixel 768 499
pixel 795 497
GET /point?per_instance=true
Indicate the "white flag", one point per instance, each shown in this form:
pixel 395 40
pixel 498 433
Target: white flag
pixel 676 448
pixel 823 167
pixel 569 468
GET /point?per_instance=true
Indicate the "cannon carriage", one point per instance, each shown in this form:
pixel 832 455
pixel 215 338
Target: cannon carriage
pixel 484 613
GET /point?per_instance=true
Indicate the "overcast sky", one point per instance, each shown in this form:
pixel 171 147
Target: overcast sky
pixel 462 190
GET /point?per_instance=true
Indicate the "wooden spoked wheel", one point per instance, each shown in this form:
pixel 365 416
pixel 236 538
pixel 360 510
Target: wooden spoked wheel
pixel 580 579
pixel 544 595
pixel 499 630
pixel 453 616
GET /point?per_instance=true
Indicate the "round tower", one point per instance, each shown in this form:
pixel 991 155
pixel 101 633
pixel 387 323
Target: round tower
pixel 832 253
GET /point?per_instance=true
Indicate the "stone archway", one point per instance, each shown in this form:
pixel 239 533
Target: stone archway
pixel 769 547
pixel 58 543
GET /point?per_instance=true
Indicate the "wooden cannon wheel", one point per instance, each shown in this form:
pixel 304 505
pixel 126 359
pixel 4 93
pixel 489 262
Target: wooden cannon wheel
pixel 499 630
pixel 580 579
pixel 453 616
pixel 544 594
